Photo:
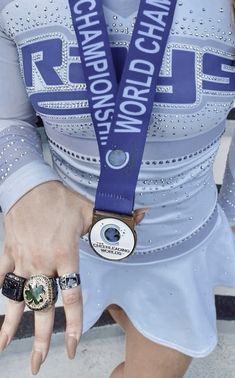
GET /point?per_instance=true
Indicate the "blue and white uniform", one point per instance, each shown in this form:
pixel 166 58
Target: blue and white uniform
pixel 185 245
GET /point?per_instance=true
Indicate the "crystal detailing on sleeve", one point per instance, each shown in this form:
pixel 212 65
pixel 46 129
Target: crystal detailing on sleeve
pixel 23 180
pixel 22 165
pixel 19 145
pixel 227 192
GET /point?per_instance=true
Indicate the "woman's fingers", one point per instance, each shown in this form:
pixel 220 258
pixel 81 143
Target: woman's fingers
pixel 139 214
pixel 72 300
pixel 6 265
pixel 14 312
pixel 43 321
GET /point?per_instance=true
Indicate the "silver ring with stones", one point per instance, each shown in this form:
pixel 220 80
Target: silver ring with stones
pixel 69 281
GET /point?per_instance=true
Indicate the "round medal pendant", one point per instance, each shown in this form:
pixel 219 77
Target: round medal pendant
pixel 112 238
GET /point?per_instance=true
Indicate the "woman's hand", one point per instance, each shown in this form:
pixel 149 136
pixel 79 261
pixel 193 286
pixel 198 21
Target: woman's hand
pixel 42 233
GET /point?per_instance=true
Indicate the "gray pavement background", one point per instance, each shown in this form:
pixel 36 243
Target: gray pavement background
pixel 101 349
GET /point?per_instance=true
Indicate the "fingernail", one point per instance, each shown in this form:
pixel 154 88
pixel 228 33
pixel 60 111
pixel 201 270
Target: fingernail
pixel 71 344
pixel 144 211
pixel 36 362
pixel 3 341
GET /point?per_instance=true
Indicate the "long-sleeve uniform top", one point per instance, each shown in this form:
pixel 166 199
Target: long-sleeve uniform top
pixel 41 73
pixel 185 246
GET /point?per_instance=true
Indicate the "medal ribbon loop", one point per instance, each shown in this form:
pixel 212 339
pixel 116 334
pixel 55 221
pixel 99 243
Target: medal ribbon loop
pixel 121 113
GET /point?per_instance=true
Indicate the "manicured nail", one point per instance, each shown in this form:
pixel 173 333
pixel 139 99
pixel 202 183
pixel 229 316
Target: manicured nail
pixel 36 362
pixel 71 344
pixel 144 210
pixel 140 214
pixel 3 341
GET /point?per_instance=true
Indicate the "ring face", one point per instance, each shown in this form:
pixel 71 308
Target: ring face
pixel 69 281
pixel 112 239
pixel 13 287
pixel 40 292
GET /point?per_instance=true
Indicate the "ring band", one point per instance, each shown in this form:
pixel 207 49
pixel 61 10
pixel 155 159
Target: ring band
pixel 40 292
pixel 69 281
pixel 13 287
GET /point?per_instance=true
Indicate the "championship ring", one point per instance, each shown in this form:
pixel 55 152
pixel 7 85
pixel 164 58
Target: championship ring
pixel 69 281
pixel 40 292
pixel 13 287
pixel 112 236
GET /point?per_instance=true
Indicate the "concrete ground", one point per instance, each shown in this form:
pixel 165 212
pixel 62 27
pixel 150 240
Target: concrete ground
pixel 101 349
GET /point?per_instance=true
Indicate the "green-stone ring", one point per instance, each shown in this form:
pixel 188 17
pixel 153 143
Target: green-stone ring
pixel 40 292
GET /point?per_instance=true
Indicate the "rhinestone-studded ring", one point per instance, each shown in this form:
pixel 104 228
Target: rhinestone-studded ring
pixel 69 281
pixel 40 292
pixel 13 287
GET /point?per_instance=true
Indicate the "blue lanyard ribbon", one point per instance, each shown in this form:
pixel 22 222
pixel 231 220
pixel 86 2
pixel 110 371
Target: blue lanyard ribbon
pixel 121 114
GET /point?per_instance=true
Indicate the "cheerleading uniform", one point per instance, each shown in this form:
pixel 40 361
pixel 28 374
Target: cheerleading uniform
pixel 185 246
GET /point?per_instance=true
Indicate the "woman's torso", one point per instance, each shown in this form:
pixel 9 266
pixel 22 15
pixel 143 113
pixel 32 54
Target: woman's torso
pixel 194 94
